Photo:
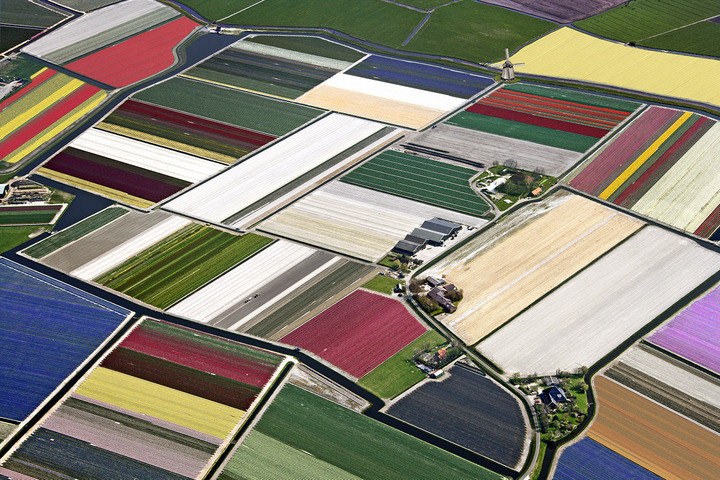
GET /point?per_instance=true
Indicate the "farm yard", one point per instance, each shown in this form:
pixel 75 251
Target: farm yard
pixel 593 312
pixel 234 302
pixel 163 389
pixel 267 69
pixel 359 332
pixel 652 436
pixel 588 459
pixel 557 54
pixel 302 435
pixel 40 111
pixel 125 169
pixel 663 166
pixel 694 333
pixel 180 131
pixel 331 143
pixel 29 214
pixel 471 410
pixel 552 117
pixel 505 270
pixel 233 107
pixel 429 181
pixel 656 22
pixel 103 45
pixel 48 329
pixel 673 384
pixel 364 223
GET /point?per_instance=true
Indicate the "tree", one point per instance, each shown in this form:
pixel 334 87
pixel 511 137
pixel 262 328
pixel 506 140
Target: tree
pixel 415 284
pixel 454 295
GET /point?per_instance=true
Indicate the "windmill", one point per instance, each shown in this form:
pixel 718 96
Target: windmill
pixel 508 70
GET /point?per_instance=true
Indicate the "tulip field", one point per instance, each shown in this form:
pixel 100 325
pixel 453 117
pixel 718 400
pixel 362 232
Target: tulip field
pixel 30 214
pixel 590 460
pixel 663 165
pixel 561 11
pixel 162 389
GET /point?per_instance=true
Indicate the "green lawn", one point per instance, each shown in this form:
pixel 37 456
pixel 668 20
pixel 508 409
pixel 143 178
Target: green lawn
pixel 428 181
pixel 372 20
pixel 312 45
pixel 178 265
pixel 241 109
pixel 523 131
pixel 397 373
pixel 351 442
pixel 382 284
pixel 477 32
pixel 11 237
pixel 639 19
pixel 74 232
pixel 701 38
pixel 25 217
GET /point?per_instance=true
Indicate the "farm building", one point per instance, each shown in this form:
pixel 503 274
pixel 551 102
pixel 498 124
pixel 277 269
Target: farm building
pixel 405 247
pixel 434 282
pixel 413 239
pixel 492 188
pixel 438 295
pixel 442 226
pixel 431 237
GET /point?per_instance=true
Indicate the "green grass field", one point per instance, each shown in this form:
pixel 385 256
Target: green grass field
pixel 326 432
pixel 700 38
pixel 70 234
pixel 637 20
pixel 178 265
pixel 428 181
pixel 382 284
pixel 11 237
pixel 312 45
pixel 242 109
pixel 522 131
pixel 25 217
pixel 476 32
pixel 397 373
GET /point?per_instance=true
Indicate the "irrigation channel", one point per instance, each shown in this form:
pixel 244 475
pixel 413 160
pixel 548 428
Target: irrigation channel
pixel 373 411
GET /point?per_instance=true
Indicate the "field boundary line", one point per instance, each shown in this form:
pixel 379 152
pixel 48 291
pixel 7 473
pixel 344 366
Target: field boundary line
pixel 239 11
pixel 677 28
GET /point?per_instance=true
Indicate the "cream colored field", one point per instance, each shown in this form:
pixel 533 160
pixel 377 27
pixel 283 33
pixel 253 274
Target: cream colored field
pixel 569 53
pixel 519 269
pixel 367 106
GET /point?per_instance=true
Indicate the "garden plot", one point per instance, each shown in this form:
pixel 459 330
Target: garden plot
pixel 126 169
pixel 48 329
pixel 222 301
pixel 471 410
pixel 99 29
pixel 662 73
pixel 503 272
pixel 163 404
pixel 254 181
pixel 651 435
pixel 359 332
pixel 113 237
pixel 486 148
pixel 356 221
pixel 377 100
pixel 674 384
pixel 591 314
pixel 694 333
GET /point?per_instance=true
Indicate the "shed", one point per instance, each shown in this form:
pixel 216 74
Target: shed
pixel 442 226
pixel 492 188
pixel 434 282
pixel 536 192
pixel 551 381
pixel 406 248
pixel 414 239
pixel 433 238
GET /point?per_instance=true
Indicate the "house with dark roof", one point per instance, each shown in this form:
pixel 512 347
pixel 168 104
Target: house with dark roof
pixel 434 282
pixel 553 396
pixel 438 294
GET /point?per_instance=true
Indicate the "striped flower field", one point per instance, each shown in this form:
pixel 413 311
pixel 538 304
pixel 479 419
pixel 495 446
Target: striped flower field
pixel 695 332
pixel 29 214
pixel 162 405
pixel 663 165
pixel 553 117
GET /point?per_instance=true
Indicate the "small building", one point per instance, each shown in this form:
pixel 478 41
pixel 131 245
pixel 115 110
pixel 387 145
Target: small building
pixel 404 247
pixel 3 189
pixel 551 381
pixel 438 295
pixel 536 192
pixel 441 226
pixel 413 239
pixel 492 188
pixel 434 282
pixel 553 396
pixel 450 287
pixel 431 237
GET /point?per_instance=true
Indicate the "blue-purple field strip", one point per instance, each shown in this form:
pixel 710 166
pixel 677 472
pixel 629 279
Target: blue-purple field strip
pixel 47 330
pixel 417 75
pixel 590 460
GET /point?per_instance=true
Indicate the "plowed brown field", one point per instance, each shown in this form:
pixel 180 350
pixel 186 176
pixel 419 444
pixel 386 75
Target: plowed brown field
pixel 653 436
